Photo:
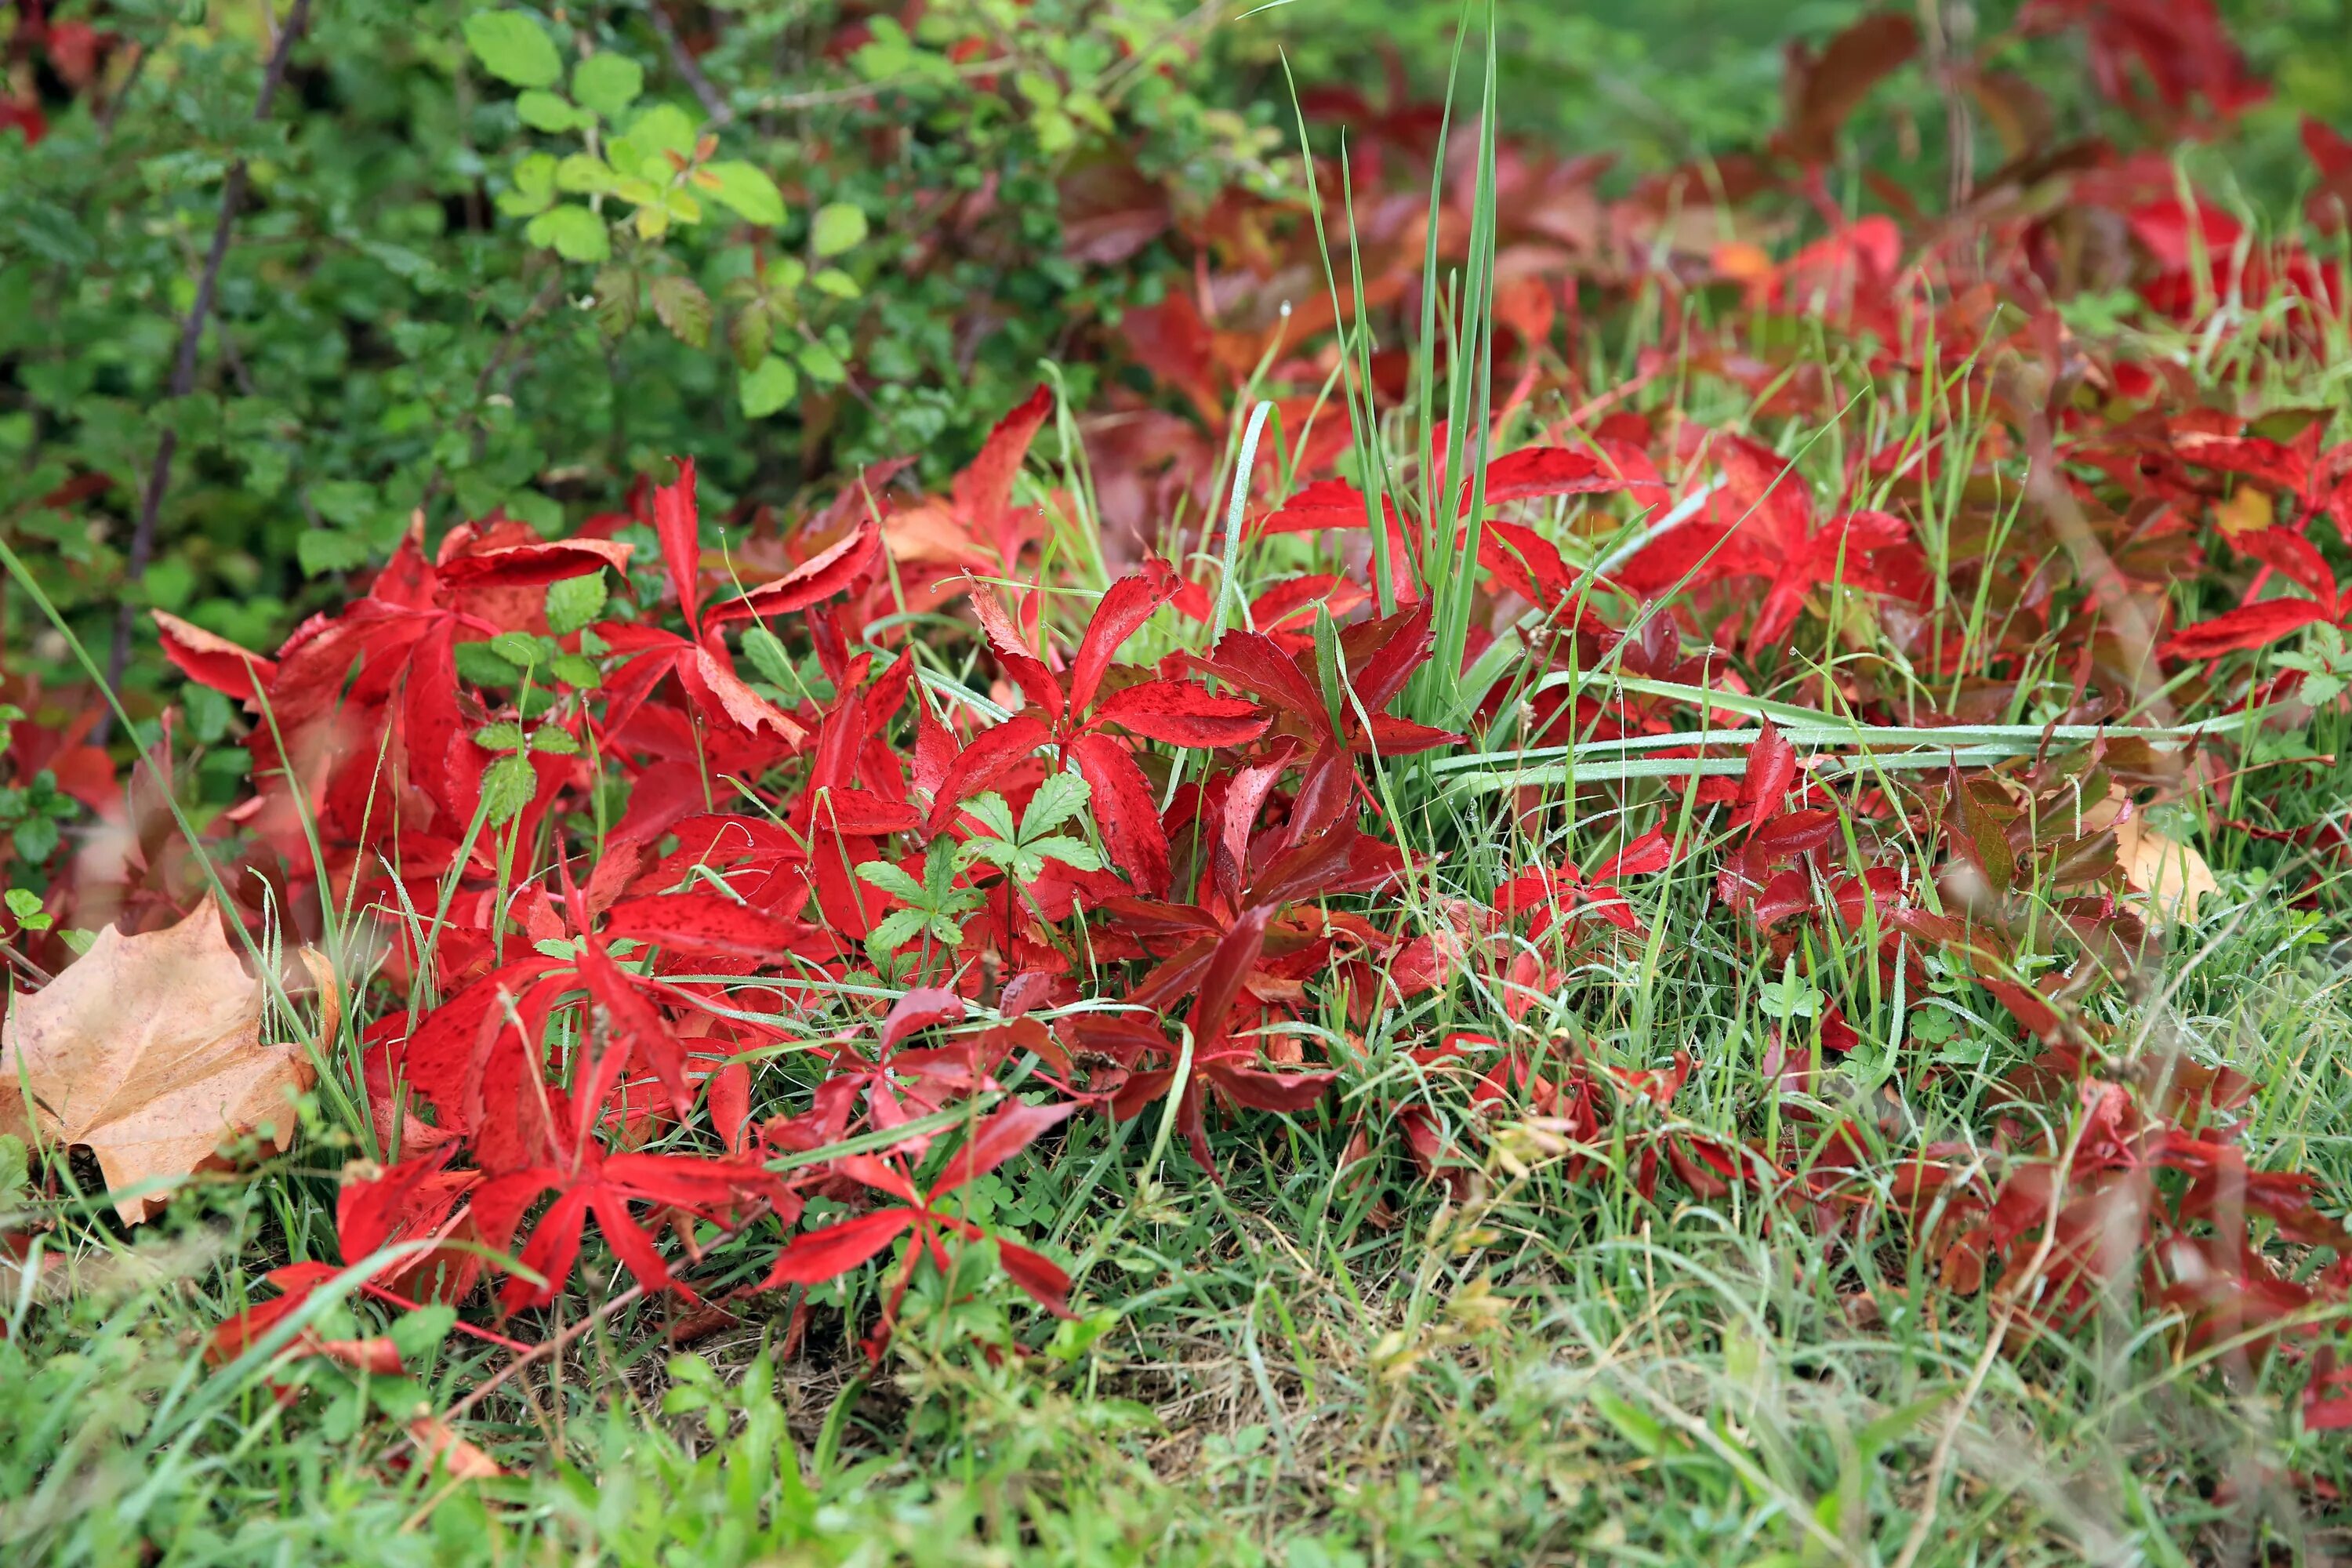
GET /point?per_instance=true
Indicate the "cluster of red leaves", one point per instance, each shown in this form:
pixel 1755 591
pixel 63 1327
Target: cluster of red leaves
pixel 611 965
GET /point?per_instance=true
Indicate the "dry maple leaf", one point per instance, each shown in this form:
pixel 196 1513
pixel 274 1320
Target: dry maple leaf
pixel 148 1052
pixel 2173 876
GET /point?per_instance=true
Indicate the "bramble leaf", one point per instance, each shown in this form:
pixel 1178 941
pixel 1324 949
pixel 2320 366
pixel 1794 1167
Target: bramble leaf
pixel 513 46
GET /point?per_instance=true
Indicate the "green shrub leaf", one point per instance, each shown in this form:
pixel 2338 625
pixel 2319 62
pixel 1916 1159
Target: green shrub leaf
pixel 514 47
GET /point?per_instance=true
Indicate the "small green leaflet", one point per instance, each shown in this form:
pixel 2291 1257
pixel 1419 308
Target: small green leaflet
pixel 768 388
pixel 1058 799
pixel 574 602
pixel 747 192
pixel 507 786
pixel 543 110
pixel 837 226
pixel 607 82
pixel 573 233
pixel 514 47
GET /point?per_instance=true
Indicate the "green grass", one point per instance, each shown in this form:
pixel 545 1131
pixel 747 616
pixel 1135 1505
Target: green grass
pixel 1326 1361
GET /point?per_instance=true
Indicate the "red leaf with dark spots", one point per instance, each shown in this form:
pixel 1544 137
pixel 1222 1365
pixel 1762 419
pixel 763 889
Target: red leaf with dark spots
pixel 1182 714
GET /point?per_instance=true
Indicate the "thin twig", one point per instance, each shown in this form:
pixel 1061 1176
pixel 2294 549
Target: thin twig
pixel 183 367
pixel 684 62
pixel 541 1351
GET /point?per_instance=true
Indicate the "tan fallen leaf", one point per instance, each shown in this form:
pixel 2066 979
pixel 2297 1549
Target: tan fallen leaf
pixel 148 1052
pixel 2174 876
pixel 455 1454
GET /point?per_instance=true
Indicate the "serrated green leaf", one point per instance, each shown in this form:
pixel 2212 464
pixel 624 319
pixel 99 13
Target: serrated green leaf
pixel 544 110
pixel 660 127
pixel 535 173
pixel 503 736
pixel 574 602
pixel 1075 852
pixel 513 46
pixel 745 190
pixel 520 649
pixel 1002 852
pixel 832 280
pixel 573 233
pixel 507 786
pixel 607 82
pixel 767 655
pixel 837 226
pixel 478 665
pixel 524 204
pixel 751 335
pixel 583 175
pixel 768 387
pixel 893 930
pixel 415 1334
pixel 993 814
pixel 555 741
pixel 683 308
pixel 1061 797
pixel 322 549
pixel 823 366
pixel 892 881
pixel 616 301
pixel 575 671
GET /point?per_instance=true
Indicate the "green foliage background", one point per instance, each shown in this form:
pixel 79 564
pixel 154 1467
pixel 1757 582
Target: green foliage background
pixel 388 337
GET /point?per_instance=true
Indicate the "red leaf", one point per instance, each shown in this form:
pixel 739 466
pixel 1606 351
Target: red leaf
pixel 1654 851
pixel 368 1213
pixel 829 571
pixel 1534 472
pixel 828 1254
pixel 703 922
pixel 1326 503
pixel 1261 1091
pixel 1772 768
pixel 1182 714
pixel 1038 1275
pixel 535 565
pixel 678 524
pixel 2290 554
pixel 1255 662
pixel 212 661
pixel 635 1023
pixel 1128 602
pixel 1122 803
pixel 992 753
pixel 1027 670
pixel 1002 1135
pixel 920 1008
pixel 2247 626
pixel 1220 984
pixel 720 693
pixel 982 491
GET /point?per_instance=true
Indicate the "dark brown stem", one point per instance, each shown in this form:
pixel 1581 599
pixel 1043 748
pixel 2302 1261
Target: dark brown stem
pixel 684 62
pixel 183 367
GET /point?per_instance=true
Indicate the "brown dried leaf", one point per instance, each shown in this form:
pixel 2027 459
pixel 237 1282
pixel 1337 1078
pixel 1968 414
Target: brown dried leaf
pixel 148 1052
pixel 2173 876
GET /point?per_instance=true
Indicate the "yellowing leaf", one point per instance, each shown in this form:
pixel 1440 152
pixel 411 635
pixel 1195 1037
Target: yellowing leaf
pixel 2174 876
pixel 148 1052
pixel 2249 510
